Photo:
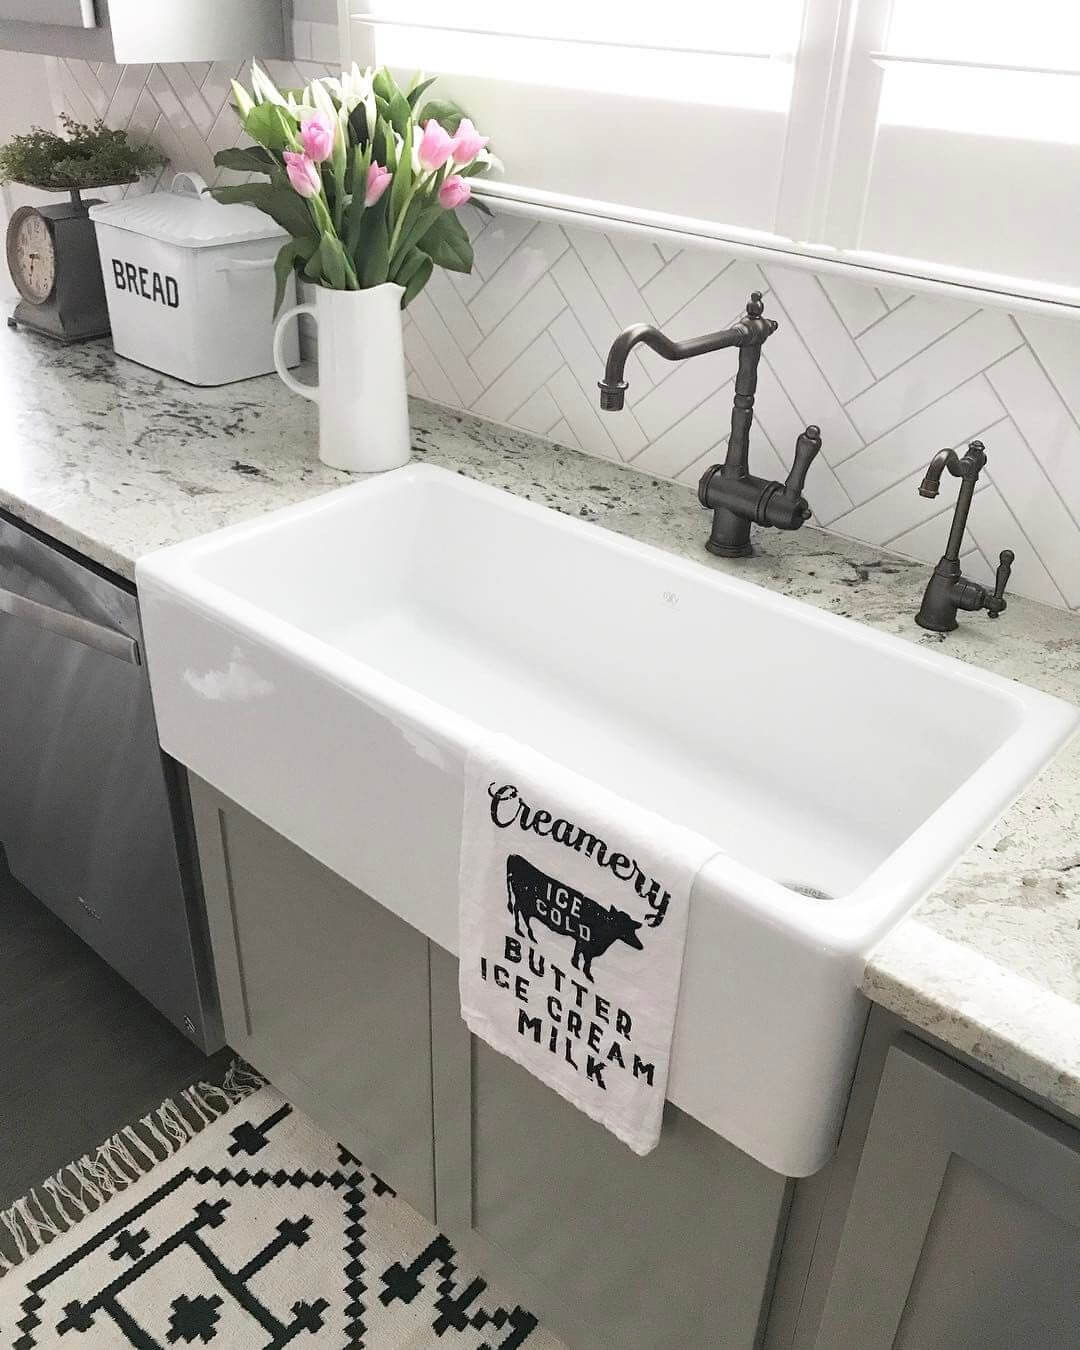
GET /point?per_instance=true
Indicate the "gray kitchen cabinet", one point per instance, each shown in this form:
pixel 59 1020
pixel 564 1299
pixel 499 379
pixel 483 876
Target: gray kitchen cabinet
pixel 355 1017
pixel 963 1227
pixel 612 1251
pixel 135 32
pixel 323 990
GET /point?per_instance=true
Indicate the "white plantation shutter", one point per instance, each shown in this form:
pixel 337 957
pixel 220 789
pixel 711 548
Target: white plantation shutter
pixel 676 109
pixel 958 142
pixel 932 139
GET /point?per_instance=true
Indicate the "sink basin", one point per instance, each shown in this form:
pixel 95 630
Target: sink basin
pixel 327 666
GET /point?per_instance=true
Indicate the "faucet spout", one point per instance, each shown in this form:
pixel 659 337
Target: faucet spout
pixel 944 459
pixel 749 332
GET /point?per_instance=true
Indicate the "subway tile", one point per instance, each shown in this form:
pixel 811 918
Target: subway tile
pixel 524 377
pixel 906 331
pixel 857 303
pixel 821 330
pixel 944 365
pixel 522 325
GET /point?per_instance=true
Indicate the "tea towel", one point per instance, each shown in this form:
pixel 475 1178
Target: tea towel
pixel 572 927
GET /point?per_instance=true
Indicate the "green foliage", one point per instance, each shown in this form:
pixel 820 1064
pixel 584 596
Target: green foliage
pixel 272 127
pixel 444 112
pixel 84 157
pixel 289 258
pixel 282 204
pixel 248 159
pixel 447 244
pixel 417 279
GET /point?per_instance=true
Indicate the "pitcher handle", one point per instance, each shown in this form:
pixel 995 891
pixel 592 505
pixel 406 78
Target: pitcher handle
pixel 310 391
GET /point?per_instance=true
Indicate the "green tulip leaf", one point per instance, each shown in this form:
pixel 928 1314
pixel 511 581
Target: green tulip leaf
pixel 271 126
pixel 447 244
pixel 417 280
pixel 400 113
pixel 332 260
pixel 403 178
pixel 418 88
pixel 384 84
pixel 358 125
pixel 285 264
pixel 372 257
pixel 248 159
pixel 282 204
pixel 445 112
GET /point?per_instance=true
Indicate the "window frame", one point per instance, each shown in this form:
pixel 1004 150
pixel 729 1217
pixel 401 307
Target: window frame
pixel 824 179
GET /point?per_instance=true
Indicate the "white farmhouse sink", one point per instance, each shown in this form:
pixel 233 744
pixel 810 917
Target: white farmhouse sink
pixel 327 666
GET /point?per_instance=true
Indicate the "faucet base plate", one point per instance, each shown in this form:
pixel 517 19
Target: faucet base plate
pixel 730 550
pixel 934 625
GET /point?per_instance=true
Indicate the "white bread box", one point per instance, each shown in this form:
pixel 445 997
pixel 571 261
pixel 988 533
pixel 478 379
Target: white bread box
pixel 190 283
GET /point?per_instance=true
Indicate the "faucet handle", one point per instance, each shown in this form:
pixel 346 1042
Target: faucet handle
pixel 806 451
pixel 997 602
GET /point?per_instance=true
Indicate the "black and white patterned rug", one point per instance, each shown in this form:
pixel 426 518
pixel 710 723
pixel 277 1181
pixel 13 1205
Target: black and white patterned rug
pixel 259 1232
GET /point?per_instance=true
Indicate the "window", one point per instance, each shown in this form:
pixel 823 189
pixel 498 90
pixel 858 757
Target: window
pixel 959 139
pixel 591 100
pixel 934 138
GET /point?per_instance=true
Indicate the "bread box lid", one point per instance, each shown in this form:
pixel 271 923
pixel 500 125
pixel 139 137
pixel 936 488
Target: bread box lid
pixel 186 216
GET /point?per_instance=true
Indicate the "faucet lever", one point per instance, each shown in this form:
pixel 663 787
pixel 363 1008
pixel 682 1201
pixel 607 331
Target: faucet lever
pixel 806 451
pixel 997 602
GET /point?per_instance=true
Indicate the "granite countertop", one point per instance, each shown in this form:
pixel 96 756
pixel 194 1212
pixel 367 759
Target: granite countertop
pixel 115 461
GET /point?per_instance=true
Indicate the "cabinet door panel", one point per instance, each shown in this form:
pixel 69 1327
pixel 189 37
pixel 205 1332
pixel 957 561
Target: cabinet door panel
pixel 611 1250
pixel 323 990
pixel 964 1224
pixel 65 13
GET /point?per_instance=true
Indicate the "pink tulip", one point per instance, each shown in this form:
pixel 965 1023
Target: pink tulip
pixel 467 144
pixel 303 174
pixel 317 136
pixel 454 192
pixel 436 146
pixel 378 180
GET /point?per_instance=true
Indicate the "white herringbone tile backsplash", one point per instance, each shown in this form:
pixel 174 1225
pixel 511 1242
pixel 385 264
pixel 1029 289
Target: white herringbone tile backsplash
pixel 889 377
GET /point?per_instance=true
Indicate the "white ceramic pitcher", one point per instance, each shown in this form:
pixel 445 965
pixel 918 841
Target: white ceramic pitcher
pixel 363 407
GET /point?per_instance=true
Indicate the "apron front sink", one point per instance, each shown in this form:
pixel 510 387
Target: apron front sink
pixel 327 666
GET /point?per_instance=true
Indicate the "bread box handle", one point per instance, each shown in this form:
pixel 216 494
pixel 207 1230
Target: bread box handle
pixel 189 184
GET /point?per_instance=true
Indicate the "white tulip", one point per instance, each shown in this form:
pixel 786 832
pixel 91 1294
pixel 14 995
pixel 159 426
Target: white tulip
pixel 264 88
pixel 242 99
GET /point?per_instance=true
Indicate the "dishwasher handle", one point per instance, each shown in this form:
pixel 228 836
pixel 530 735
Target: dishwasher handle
pixel 103 639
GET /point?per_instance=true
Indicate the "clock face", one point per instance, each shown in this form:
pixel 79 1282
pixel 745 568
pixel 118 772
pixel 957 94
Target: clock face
pixel 31 255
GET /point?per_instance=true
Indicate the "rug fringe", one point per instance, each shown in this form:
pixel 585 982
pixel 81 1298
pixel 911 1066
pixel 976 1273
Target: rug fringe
pixel 79 1188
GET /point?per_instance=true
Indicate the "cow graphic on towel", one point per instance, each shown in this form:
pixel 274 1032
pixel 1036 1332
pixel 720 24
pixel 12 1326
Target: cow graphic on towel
pixel 532 894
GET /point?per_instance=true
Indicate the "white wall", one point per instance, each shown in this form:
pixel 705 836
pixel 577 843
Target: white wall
pixel 25 101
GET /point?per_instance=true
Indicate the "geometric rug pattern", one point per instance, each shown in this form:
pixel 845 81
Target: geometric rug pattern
pixel 890 376
pixel 261 1232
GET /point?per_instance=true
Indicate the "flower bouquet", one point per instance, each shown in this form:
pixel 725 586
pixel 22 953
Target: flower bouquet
pixel 364 176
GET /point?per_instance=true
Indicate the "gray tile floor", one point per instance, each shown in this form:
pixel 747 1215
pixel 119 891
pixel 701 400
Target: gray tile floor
pixel 81 1053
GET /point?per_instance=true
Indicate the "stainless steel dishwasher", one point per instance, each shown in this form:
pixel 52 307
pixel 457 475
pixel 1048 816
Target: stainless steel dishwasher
pixel 93 818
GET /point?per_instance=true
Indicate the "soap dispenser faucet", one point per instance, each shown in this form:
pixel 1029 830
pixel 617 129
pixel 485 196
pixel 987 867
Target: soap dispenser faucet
pixel 948 590
pixel 736 497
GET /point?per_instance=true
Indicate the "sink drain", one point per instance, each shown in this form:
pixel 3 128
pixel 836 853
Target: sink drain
pixel 811 892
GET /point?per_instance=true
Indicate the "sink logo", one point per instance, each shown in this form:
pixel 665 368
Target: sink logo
pixel 532 894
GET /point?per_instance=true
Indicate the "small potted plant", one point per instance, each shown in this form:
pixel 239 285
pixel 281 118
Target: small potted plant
pixel 84 157
pixel 366 178
pixel 51 251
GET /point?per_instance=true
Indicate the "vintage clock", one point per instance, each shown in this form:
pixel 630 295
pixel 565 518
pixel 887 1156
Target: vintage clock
pixel 53 259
